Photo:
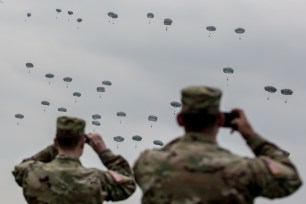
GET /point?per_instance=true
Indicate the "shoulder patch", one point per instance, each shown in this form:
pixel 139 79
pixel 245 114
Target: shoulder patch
pixel 275 167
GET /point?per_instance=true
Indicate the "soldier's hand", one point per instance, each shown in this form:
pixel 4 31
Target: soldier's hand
pixel 242 124
pixel 96 142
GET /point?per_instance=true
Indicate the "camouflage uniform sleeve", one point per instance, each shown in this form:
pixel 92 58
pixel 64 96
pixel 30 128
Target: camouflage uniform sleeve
pixel 45 155
pixel 273 174
pixel 118 181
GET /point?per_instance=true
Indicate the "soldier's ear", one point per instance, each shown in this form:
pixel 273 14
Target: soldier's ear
pixel 180 119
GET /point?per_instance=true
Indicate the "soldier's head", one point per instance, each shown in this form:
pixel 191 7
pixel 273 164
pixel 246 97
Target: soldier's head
pixel 70 132
pixel 200 108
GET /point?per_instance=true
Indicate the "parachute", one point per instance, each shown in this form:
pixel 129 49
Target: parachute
pixel 210 29
pixel 150 16
pixel 136 138
pixel 76 95
pixel 118 139
pixel 158 142
pixel 67 80
pixel 100 89
pixel 45 103
pixel 175 104
pixel 228 70
pixel 49 76
pixel 79 20
pixel 29 65
pixel 239 31
pixel 28 15
pixel 121 114
pixel 19 117
pixel 62 109
pixel 112 15
pixel 152 118
pixel 167 22
pixel 69 13
pixel 95 123
pixel 96 116
pixel 107 83
pixel 58 11
pixel 270 89
pixel 286 92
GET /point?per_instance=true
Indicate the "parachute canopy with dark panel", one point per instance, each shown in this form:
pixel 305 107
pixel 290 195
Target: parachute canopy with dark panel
pixel 96 123
pixel 150 15
pixel 137 138
pixel 119 139
pixel 167 21
pixel 121 114
pixel 211 28
pixel 270 89
pixel 67 79
pixel 287 92
pixel 100 89
pixel 62 109
pixel 107 83
pixel 77 94
pixel 152 118
pixel 96 116
pixel 239 30
pixel 158 142
pixel 45 103
pixel 19 116
pixel 175 104
pixel 228 70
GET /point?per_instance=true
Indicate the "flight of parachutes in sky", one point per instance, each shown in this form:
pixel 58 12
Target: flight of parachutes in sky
pixel 150 16
pixel 113 17
pixel 96 117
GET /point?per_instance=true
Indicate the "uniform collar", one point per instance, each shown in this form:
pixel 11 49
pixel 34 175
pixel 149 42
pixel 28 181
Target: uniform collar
pixel 68 159
pixel 198 137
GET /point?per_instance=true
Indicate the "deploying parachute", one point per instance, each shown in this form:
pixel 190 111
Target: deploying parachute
pixel 121 114
pixel 136 138
pixel 239 31
pixel 49 76
pixel 228 71
pixel 152 118
pixel 19 117
pixel 62 109
pixel 167 22
pixel 29 65
pixel 158 142
pixel 286 92
pixel 45 104
pixel 270 89
pixel 175 104
pixel 100 90
pixel 210 29
pixel 150 16
pixel 76 95
pixel 118 139
pixel 67 80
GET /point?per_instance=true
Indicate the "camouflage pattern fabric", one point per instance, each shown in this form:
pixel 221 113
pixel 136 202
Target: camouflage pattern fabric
pixel 70 126
pixel 201 99
pixel 48 178
pixel 194 169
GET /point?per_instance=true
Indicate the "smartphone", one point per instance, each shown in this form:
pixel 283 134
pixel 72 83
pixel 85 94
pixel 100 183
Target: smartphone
pixel 228 118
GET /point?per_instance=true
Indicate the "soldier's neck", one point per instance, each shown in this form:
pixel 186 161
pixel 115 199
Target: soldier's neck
pixel 70 153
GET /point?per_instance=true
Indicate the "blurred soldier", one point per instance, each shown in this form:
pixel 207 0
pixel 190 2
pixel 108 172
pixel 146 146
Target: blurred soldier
pixel 55 175
pixel 194 169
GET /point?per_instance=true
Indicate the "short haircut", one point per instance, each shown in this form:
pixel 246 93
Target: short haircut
pixel 198 121
pixel 66 140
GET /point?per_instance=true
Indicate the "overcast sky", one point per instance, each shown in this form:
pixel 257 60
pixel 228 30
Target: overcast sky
pixel 148 67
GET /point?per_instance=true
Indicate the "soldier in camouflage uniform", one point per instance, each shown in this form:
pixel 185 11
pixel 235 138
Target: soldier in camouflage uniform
pixel 194 169
pixel 55 175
